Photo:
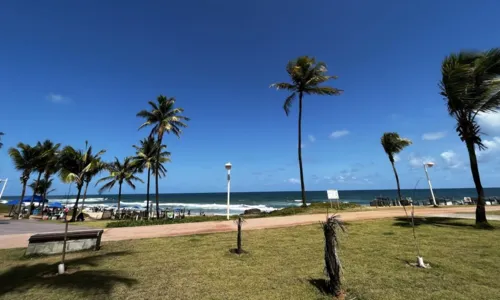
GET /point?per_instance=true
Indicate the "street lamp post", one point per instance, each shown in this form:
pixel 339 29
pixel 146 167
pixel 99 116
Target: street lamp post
pixel 430 164
pixel 228 168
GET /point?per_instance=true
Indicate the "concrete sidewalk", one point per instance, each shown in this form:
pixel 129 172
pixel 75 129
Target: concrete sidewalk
pixel 141 232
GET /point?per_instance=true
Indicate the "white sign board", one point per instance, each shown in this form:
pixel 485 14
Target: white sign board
pixel 332 194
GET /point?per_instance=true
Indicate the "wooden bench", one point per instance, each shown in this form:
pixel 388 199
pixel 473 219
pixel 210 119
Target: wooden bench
pixel 52 243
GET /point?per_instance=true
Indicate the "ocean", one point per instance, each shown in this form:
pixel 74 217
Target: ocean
pixel 215 203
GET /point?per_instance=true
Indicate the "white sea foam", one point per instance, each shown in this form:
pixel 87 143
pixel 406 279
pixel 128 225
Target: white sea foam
pixel 195 206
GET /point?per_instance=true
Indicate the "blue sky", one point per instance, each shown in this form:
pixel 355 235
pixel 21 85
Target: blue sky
pixel 80 70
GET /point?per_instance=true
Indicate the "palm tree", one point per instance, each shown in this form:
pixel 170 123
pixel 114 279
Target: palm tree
pixel 306 77
pixel 96 167
pixel 45 151
pixel 165 118
pixel 119 173
pixel 51 168
pixel 42 187
pixel 393 144
pixel 74 166
pixel 38 167
pixel 145 158
pixel 471 85
pixel 25 158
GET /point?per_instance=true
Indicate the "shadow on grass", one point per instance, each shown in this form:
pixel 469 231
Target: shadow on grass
pixel 437 221
pixel 43 275
pixel 320 284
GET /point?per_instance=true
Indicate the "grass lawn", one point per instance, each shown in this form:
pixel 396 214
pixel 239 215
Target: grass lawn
pixel 496 212
pixel 282 264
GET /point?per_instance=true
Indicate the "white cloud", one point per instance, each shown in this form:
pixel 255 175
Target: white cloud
pixel 451 159
pixel 490 122
pixel 312 139
pixel 416 161
pixel 493 146
pixel 302 145
pixel 58 98
pixel 433 136
pixel 397 158
pixel 293 180
pixel 339 133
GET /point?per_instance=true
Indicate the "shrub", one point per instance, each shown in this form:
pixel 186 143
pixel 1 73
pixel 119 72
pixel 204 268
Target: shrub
pixel 133 223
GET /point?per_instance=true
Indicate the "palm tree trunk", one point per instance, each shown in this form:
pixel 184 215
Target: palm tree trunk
pixel 157 166
pixel 75 209
pixel 84 194
pixel 397 182
pixel 302 186
pixel 34 192
pixel 22 197
pixel 44 196
pixel 480 208
pixel 147 194
pixel 119 197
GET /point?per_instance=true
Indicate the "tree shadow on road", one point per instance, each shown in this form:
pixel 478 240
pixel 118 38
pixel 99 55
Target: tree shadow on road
pixel 43 275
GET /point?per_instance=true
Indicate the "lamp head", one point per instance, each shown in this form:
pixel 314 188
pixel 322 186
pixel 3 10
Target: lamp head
pixel 429 164
pixel 228 166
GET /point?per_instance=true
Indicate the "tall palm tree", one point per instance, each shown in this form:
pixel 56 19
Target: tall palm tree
pixel 393 144
pixel 74 165
pixel 165 118
pixel 145 158
pixel 24 158
pixel 306 77
pixel 118 173
pixel 471 85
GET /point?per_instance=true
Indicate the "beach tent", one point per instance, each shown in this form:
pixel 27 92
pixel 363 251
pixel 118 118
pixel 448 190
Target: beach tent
pixel 55 205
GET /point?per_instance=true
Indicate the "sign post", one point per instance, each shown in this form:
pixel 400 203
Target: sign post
pixel 333 195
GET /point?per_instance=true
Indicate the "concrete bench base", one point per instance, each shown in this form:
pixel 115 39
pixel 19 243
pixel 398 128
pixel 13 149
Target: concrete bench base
pixel 53 243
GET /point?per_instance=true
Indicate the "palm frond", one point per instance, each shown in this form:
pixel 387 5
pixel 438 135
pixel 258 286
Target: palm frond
pixel 288 103
pixel 393 144
pixel 322 90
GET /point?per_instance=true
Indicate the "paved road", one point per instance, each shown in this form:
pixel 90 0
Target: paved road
pixel 20 240
pixel 10 227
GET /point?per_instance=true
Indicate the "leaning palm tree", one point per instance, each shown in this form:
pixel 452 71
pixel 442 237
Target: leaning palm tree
pixel 471 85
pixel 25 158
pixel 145 158
pixel 306 78
pixel 74 166
pixel 165 118
pixel 393 144
pixel 118 173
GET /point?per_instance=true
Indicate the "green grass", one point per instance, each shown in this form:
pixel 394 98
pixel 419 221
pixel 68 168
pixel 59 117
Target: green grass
pixel 282 264
pixel 4 209
pixel 496 212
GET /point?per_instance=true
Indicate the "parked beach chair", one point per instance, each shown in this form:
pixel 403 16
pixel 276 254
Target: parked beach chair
pixel 467 201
